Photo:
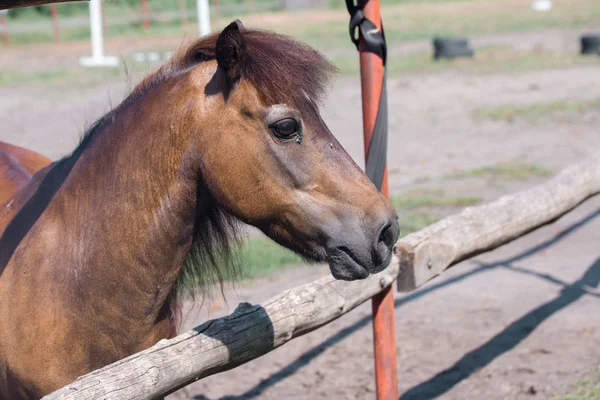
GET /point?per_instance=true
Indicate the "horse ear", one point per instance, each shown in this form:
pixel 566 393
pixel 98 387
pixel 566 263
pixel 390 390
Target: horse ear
pixel 231 51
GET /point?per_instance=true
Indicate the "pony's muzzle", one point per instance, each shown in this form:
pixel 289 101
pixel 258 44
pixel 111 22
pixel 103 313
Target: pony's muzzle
pixel 351 262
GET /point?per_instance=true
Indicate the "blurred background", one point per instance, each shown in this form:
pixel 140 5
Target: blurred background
pixel 522 104
pixel 508 34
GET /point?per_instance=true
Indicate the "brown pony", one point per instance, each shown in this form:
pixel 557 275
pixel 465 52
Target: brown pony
pixel 94 248
pixel 17 165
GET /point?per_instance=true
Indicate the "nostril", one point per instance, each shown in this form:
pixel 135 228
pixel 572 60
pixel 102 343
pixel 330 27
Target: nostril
pixel 386 237
pixel 383 245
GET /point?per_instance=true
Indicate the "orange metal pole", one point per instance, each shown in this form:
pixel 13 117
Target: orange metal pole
pixel 55 25
pixel 384 322
pixel 384 338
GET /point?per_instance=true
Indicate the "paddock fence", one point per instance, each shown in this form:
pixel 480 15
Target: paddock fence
pixel 254 330
pixel 68 22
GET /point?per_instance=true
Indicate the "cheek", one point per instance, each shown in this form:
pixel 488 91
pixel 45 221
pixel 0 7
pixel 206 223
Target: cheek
pixel 243 178
pixel 293 164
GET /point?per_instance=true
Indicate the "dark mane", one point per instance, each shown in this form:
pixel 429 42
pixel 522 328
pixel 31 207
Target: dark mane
pixel 283 71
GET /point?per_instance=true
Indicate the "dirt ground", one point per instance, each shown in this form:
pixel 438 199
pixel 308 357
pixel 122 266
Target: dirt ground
pixel 520 322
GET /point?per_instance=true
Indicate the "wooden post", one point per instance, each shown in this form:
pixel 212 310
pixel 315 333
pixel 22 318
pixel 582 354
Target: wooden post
pixel 55 24
pixel 384 322
pixel 215 5
pixel 182 13
pixel 4 28
pixel 145 14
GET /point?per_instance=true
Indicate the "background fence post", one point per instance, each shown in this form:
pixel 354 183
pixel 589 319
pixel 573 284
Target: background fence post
pixel 55 24
pixel 145 14
pixel 98 59
pixel 4 27
pixel 183 13
pixel 203 11
pixel 215 7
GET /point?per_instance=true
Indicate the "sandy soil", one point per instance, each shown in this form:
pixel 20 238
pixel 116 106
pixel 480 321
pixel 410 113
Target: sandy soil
pixel 519 322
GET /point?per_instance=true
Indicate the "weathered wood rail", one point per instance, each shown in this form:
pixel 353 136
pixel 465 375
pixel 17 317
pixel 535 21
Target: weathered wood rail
pixel 252 331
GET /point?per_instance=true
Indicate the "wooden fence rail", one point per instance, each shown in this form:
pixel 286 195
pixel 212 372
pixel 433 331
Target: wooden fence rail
pixel 254 330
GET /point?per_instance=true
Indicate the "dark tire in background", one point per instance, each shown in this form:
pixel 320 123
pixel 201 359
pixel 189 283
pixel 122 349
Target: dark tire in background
pixel 590 44
pixel 451 48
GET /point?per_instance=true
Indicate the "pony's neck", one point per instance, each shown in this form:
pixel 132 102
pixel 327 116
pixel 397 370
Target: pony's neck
pixel 133 195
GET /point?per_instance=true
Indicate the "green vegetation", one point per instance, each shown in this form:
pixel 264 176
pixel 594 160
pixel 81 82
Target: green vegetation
pixel 75 75
pixel 496 59
pixel 515 172
pixel 259 256
pixel 57 76
pixel 411 20
pixel 585 389
pixel 414 208
pixel 404 19
pixel 14 78
pixel 41 13
pixel 492 60
pixel 79 33
pixel 414 220
pixel 535 112
pixel 430 198
pixel 130 8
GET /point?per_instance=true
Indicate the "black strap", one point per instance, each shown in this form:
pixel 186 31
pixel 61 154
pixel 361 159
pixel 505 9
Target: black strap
pixel 374 43
pixel 374 38
pixel 376 158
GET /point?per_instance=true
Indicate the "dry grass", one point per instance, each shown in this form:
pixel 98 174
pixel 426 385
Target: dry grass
pixel 585 389
pixel 535 113
pixel 507 172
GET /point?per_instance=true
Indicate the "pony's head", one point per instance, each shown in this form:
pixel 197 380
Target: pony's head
pixel 266 156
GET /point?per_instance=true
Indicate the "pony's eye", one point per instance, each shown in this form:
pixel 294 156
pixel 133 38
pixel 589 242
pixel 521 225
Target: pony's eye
pixel 285 128
pixel 200 57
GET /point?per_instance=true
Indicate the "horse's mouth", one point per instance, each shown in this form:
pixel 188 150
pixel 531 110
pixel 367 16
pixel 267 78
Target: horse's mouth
pixel 343 266
pixel 344 263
